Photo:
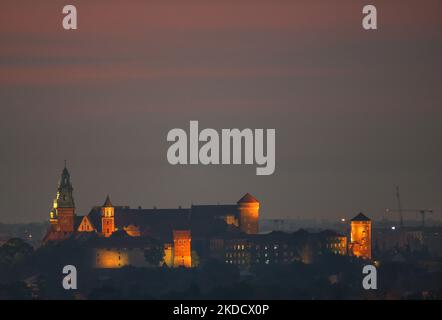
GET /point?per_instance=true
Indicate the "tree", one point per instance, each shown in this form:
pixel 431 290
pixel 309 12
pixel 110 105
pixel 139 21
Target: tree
pixel 154 255
pixel 195 259
pixel 15 251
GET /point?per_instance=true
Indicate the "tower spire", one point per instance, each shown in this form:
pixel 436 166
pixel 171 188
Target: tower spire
pixel 107 202
pixel 64 191
pixel 63 212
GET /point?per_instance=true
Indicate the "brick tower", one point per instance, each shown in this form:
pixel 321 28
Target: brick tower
pixel 107 218
pixel 360 237
pixel 182 248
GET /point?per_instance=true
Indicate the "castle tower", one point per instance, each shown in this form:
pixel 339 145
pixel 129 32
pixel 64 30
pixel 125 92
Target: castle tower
pixel 182 248
pixel 63 212
pixel 248 208
pixel 107 218
pixel 360 237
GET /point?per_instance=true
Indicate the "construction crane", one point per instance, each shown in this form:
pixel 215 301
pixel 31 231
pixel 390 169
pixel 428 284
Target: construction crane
pixel 400 211
pixel 399 207
pixel 422 212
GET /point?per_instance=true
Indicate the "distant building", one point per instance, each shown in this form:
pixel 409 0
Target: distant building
pixel 412 239
pixel 276 247
pixel 334 242
pixel 360 237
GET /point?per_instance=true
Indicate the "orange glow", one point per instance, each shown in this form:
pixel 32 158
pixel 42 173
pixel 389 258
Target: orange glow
pixel 132 230
pixel 85 225
pixel 107 221
pixel 182 248
pixel 231 220
pixel 249 215
pixel 360 244
pixel 111 259
pixel 168 255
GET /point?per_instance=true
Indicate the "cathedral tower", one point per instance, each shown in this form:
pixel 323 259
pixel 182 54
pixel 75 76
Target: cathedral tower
pixel 360 234
pixel 248 208
pixel 107 218
pixel 63 212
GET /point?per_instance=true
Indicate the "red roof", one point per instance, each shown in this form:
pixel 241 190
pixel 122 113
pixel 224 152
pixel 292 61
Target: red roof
pixel 248 198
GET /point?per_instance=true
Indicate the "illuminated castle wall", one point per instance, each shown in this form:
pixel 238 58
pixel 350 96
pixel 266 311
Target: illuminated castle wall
pixel 111 258
pixel 114 258
pixel 360 237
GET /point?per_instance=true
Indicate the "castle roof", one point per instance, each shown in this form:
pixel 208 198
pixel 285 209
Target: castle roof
pixel 77 221
pixel 159 223
pixel 361 217
pixel 248 198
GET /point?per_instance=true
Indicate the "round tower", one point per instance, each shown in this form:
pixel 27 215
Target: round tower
pixel 248 208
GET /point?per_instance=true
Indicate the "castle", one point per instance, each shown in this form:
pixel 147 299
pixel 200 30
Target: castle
pixel 121 236
pixel 175 228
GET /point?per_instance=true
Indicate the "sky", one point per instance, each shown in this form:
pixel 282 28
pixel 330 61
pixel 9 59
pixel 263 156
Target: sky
pixel 356 112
